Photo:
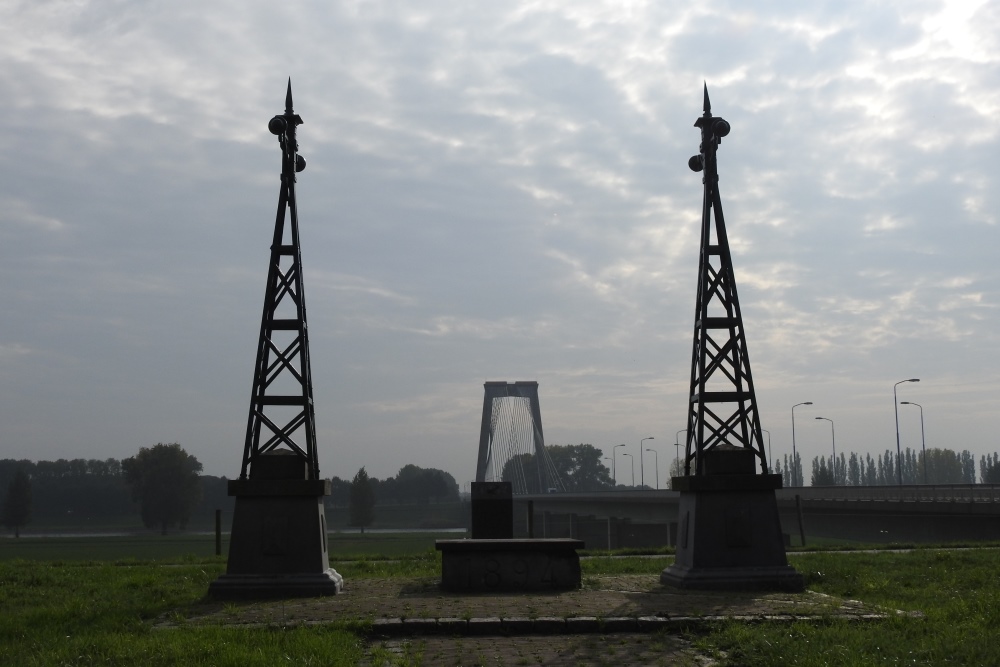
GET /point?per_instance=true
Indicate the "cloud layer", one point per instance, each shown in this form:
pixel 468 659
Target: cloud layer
pixel 494 192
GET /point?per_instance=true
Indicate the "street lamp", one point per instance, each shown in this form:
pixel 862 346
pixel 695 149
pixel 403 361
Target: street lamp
pixel 833 436
pixel 677 444
pixel 642 472
pixel 613 474
pixel 632 461
pixel 923 443
pixel 657 461
pixel 770 461
pixel 795 477
pixel 895 407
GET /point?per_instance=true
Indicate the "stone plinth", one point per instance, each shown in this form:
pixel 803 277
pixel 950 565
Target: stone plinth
pixel 492 510
pixel 729 534
pixel 278 544
pixel 483 566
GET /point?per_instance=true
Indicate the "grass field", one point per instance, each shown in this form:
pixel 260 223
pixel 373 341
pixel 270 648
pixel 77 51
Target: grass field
pixel 161 547
pixel 75 611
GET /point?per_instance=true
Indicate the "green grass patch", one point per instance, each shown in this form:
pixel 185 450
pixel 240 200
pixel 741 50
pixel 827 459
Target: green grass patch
pixel 958 591
pixel 384 545
pixel 90 614
pixel 167 547
pixel 607 565
pixel 72 612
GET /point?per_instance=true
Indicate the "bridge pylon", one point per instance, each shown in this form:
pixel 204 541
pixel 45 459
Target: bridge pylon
pixel 511 441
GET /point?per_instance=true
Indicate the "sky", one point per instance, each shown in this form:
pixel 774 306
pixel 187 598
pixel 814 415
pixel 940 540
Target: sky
pixel 495 191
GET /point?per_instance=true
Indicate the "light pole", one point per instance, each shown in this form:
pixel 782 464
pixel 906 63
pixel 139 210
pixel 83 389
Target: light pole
pixel 613 474
pixel 795 474
pixel 642 472
pixel 923 443
pixel 895 407
pixel 833 436
pixel 632 461
pixel 657 462
pixel 677 444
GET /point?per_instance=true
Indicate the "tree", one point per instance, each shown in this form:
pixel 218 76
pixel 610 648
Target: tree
pixel 989 469
pixel 17 503
pixel 578 467
pixel 362 504
pixel 164 481
pixel 822 474
pixel 414 484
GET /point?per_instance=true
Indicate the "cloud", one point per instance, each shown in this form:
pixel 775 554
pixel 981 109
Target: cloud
pixel 495 191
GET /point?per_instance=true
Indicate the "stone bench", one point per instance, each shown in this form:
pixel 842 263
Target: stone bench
pixel 477 566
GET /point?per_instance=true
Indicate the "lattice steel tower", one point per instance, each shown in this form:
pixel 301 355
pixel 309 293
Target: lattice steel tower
pixel 723 406
pixel 282 414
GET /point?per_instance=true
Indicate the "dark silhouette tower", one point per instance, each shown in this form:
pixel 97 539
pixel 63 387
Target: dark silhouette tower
pixel 278 545
pixel 282 416
pixel 723 407
pixel 729 535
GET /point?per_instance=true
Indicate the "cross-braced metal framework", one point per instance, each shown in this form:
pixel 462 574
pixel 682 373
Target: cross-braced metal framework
pixel 723 406
pixel 282 415
pixel 511 443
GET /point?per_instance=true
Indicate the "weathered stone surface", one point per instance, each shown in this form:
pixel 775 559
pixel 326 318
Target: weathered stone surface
pixel 278 544
pixel 509 565
pixel 616 600
pixel 485 626
pixel 729 536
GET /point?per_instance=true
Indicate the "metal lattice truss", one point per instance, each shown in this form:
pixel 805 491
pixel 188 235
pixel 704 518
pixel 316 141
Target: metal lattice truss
pixel 723 406
pixel 511 444
pixel 282 415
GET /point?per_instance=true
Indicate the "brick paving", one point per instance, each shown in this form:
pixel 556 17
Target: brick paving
pixel 394 603
pixel 615 620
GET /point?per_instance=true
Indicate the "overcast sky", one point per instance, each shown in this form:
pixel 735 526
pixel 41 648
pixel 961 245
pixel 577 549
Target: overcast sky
pixel 495 191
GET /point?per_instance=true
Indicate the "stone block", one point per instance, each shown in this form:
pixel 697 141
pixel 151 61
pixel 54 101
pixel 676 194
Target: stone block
pixel 582 624
pixel 509 565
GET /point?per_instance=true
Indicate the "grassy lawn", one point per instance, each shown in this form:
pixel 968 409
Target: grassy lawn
pixel 957 591
pixel 66 611
pixel 159 547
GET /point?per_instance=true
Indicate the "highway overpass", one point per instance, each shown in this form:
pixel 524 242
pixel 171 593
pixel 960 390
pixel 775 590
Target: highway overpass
pixel 922 513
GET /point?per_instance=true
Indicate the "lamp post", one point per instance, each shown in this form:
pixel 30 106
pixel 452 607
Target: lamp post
pixel 895 407
pixel 642 472
pixel 833 437
pixel 795 475
pixel 923 443
pixel 614 475
pixel 657 462
pixel 632 461
pixel 677 445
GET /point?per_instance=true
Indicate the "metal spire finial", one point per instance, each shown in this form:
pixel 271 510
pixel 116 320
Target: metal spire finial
pixel 708 104
pixel 288 98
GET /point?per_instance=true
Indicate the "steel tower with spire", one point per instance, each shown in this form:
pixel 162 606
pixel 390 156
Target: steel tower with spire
pixel 278 543
pixel 729 531
pixel 722 406
pixel 282 414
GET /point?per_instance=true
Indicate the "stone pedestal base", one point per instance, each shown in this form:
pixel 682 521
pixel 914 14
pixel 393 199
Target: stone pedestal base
pixel 259 586
pixel 729 536
pixel 483 566
pixel 278 544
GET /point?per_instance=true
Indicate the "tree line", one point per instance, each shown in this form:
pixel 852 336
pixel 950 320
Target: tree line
pixel 164 486
pixel 412 485
pixel 938 466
